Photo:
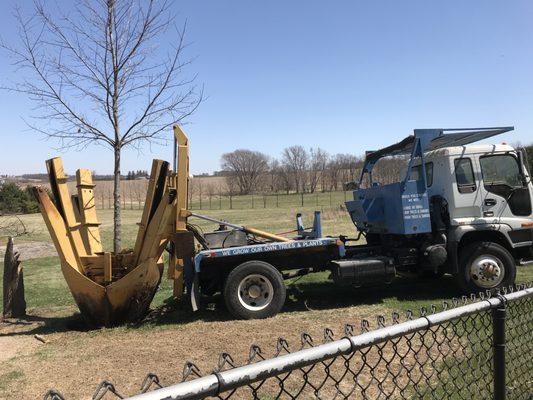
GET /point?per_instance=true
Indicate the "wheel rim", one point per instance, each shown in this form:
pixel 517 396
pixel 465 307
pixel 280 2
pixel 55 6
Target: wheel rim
pixel 255 292
pixel 487 271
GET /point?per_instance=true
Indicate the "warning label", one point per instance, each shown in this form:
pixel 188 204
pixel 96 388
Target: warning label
pixel 414 207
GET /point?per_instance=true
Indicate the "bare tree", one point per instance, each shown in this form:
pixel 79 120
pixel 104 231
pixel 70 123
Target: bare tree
pixel 273 182
pixel 245 169
pixel 285 177
pixel 333 172
pixel 98 75
pixel 210 190
pixel 12 226
pixel 295 159
pixel 390 169
pixel 318 160
pixel 348 165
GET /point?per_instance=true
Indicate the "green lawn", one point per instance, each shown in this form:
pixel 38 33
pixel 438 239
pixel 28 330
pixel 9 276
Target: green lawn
pixel 335 221
pixel 46 289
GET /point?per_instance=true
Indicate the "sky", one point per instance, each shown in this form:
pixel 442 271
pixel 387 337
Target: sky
pixel 346 76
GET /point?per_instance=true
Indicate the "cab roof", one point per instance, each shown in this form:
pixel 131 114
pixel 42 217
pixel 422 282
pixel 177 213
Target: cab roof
pixel 470 149
pixel 433 139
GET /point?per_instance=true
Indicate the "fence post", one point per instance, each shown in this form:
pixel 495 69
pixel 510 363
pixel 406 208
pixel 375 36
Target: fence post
pixel 498 334
pixel 302 198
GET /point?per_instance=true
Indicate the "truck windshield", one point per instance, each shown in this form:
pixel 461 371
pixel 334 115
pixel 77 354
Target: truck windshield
pixel 501 169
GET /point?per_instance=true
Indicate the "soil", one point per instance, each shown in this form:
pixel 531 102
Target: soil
pixel 29 250
pixel 74 362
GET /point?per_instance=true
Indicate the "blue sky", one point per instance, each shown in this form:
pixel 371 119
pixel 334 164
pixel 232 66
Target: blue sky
pixel 342 75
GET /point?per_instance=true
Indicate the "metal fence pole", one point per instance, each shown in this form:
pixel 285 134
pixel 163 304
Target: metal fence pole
pixel 498 331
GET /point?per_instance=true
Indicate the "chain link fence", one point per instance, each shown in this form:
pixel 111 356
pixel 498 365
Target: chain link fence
pixel 474 347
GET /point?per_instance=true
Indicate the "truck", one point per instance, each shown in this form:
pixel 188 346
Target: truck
pixel 459 208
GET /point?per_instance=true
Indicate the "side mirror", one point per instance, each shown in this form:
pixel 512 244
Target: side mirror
pixel 524 166
pixel 523 180
pixel 348 186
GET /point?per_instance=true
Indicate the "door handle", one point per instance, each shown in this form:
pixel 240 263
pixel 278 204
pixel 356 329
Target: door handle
pixel 490 202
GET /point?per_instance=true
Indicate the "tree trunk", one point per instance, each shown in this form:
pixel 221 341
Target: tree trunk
pixel 14 302
pixel 117 221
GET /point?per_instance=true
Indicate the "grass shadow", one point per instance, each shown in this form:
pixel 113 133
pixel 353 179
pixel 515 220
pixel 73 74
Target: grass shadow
pixel 401 294
pixel 40 325
pixel 315 294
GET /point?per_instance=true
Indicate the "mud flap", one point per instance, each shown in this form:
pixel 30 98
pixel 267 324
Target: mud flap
pixel 195 293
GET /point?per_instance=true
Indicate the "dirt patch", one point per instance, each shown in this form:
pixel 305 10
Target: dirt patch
pixel 16 346
pixel 30 250
pixel 75 362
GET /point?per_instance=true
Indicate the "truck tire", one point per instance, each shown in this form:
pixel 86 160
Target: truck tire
pixel 254 289
pixel 485 266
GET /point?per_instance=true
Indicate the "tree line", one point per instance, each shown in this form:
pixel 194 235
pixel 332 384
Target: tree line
pixel 132 175
pixel 16 200
pixel 298 170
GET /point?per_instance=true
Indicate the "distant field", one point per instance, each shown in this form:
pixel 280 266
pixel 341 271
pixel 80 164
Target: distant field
pixel 208 193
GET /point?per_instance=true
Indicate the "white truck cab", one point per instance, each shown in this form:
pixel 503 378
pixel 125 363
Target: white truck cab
pixel 461 208
pixel 485 186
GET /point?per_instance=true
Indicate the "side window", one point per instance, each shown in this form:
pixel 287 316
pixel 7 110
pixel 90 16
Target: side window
pixel 429 173
pixel 416 173
pixel 464 174
pixel 500 170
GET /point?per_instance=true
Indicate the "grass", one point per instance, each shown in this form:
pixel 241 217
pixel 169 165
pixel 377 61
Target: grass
pixel 46 289
pixel 335 221
pixel 317 200
pixel 9 378
pixel 44 284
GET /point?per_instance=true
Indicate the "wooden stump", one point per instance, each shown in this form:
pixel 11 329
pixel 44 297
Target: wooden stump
pixel 14 302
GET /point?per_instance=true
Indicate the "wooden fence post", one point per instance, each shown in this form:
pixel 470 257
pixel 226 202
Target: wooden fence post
pixel 14 302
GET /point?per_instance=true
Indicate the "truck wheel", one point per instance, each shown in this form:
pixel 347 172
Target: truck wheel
pixel 485 266
pixel 254 289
